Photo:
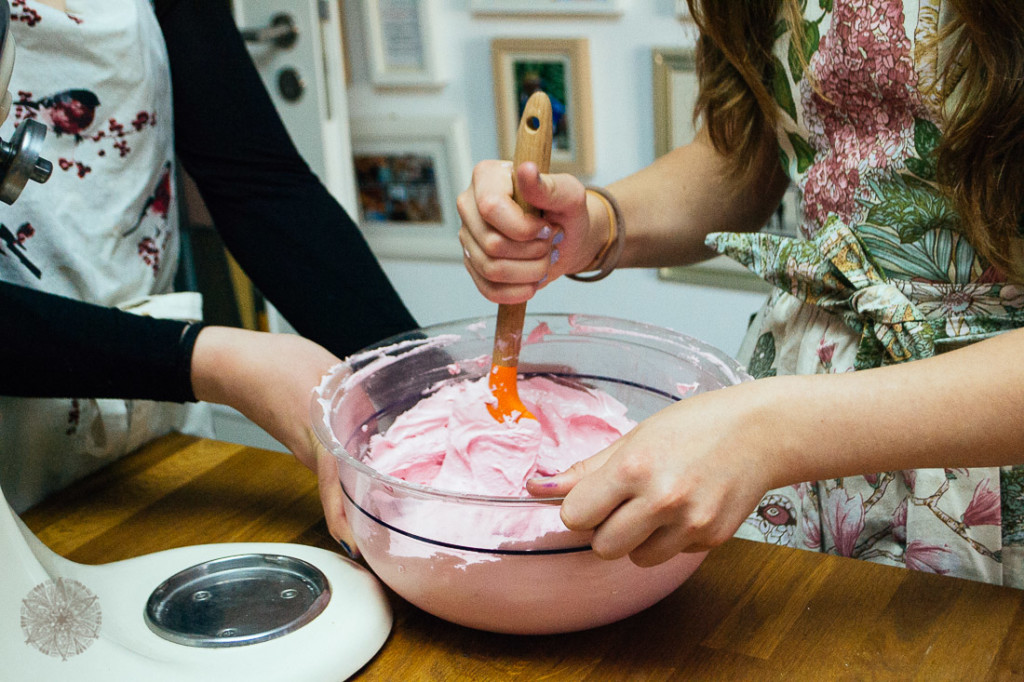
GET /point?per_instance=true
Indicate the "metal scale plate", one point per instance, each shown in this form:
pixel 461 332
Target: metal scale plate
pixel 237 600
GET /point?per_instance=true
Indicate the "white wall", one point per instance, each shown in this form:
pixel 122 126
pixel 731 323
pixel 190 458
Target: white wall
pixel 620 53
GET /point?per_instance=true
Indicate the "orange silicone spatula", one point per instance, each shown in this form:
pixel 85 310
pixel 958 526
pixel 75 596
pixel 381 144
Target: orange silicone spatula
pixel 533 143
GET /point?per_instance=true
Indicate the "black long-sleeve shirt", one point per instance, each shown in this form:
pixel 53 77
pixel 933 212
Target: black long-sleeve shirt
pixel 290 236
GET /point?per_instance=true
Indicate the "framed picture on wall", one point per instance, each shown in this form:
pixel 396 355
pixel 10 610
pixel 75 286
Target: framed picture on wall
pixel 726 273
pixel 408 172
pixel 546 7
pixel 560 68
pixel 675 95
pixel 402 50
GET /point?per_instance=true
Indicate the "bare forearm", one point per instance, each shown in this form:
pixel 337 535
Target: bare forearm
pixel 686 477
pixel 670 206
pixel 267 377
pixel 270 378
pixel 960 409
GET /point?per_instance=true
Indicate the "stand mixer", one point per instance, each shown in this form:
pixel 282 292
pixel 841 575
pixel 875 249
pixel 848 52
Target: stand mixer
pixel 226 612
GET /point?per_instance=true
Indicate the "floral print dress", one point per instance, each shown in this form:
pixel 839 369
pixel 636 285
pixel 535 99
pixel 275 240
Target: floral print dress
pixel 880 276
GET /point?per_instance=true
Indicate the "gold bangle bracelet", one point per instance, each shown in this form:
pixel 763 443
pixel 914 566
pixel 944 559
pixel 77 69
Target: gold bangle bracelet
pixel 613 231
pixel 608 257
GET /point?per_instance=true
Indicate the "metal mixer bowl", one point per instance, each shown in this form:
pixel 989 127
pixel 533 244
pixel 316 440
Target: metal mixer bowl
pixel 476 573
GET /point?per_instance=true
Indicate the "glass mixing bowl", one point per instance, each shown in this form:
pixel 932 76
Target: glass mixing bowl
pixel 480 561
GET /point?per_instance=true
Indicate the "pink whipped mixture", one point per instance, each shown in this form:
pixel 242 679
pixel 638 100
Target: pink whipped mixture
pixel 436 553
pixel 450 441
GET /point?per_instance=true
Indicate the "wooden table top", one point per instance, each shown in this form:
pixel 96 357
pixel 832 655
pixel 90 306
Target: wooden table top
pixel 751 611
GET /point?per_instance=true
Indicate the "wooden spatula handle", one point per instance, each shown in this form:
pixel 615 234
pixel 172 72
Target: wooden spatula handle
pixel 533 143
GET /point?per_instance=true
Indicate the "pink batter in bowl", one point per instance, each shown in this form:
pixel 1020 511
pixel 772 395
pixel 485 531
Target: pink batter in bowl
pixel 503 563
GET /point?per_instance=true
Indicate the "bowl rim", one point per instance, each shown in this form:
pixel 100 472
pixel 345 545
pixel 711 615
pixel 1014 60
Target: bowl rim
pixel 324 434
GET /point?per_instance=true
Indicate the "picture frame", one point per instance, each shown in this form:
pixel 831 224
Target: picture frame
pixel 560 67
pixel 408 171
pixel 402 50
pixel 547 7
pixel 674 73
pixel 674 96
pixel 345 38
pixel 724 272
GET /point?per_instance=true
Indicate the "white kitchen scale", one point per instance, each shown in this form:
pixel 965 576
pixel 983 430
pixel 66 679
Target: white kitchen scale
pixel 244 612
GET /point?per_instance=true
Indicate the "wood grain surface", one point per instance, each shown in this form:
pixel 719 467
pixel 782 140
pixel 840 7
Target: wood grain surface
pixel 750 612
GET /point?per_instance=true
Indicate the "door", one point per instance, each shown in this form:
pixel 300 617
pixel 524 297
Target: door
pixel 296 46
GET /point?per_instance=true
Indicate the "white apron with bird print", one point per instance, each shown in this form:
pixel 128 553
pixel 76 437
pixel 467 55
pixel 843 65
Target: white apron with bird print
pixel 103 229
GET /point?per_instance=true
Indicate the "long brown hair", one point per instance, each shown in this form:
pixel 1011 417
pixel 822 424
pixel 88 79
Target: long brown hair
pixel 980 160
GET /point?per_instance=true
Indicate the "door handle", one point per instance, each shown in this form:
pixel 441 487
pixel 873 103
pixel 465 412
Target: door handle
pixel 281 32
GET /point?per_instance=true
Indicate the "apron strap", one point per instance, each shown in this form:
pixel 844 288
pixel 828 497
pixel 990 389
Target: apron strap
pixel 834 271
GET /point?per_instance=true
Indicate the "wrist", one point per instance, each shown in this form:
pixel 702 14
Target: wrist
pixel 609 251
pixel 770 430
pixel 211 362
pixel 601 219
pixel 784 448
